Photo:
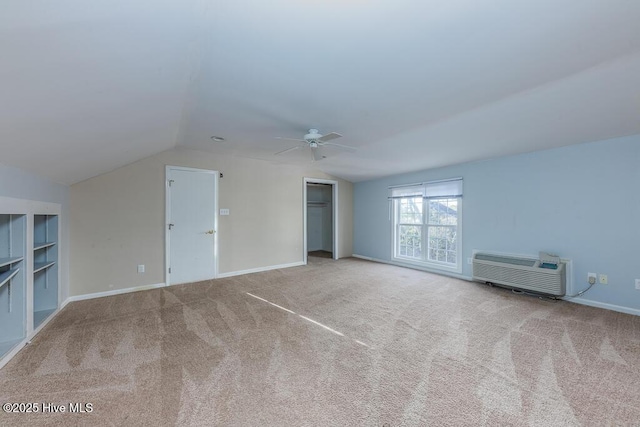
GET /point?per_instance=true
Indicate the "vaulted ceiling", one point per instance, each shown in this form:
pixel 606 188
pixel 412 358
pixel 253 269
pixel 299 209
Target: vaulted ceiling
pixel 86 87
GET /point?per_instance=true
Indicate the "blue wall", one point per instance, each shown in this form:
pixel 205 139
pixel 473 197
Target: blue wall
pixel 581 202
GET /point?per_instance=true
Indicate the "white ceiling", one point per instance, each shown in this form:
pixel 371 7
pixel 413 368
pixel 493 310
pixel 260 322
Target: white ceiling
pixel 86 87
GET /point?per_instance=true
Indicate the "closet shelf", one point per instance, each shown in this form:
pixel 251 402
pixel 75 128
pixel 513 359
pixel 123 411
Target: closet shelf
pixel 38 266
pixel 7 261
pixel 7 275
pixel 42 245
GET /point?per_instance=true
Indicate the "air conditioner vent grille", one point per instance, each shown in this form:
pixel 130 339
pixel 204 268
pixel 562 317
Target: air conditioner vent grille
pixel 506 260
pixel 521 273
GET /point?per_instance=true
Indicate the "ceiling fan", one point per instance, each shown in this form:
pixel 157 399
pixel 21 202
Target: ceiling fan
pixel 315 140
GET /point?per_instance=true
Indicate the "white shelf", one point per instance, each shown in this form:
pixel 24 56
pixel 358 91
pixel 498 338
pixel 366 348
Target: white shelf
pixel 7 261
pixel 42 245
pixel 7 275
pixel 38 266
pixel 40 316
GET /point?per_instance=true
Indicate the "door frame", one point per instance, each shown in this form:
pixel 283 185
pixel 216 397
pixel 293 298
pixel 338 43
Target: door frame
pixel 167 217
pixel 334 213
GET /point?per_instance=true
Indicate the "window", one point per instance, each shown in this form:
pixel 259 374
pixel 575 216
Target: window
pixel 410 227
pixel 427 224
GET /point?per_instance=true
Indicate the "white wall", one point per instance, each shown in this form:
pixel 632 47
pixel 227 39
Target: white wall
pixel 118 219
pixel 18 184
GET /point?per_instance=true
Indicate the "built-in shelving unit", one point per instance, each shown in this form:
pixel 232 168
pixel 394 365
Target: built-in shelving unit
pixel 13 300
pixel 30 281
pixel 45 267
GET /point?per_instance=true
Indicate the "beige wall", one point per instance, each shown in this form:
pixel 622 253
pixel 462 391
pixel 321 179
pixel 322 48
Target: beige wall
pixel 117 219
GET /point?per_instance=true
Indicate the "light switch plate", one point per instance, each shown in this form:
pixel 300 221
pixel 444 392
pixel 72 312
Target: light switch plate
pixel 224 211
pixel 638 284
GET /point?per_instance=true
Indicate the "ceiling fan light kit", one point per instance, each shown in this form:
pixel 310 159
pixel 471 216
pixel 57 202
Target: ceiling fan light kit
pixel 313 135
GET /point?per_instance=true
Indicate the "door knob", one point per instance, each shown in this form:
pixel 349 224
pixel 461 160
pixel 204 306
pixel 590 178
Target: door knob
pixel 210 231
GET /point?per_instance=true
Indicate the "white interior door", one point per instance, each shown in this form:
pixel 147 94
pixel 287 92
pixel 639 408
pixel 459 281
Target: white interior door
pixel 191 226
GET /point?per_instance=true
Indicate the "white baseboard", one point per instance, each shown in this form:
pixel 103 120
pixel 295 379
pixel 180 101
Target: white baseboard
pixel 160 285
pixel 607 306
pixel 110 293
pixel 415 267
pixel 5 359
pixel 259 269
pixel 591 303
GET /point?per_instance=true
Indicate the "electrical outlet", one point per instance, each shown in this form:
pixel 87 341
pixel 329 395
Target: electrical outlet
pixel 140 268
pixel 638 284
pixel 469 260
pixel 604 280
pixel 592 278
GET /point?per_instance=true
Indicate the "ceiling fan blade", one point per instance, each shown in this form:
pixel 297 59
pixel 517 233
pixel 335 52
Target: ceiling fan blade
pixel 329 137
pixel 316 154
pixel 287 150
pixel 289 139
pixel 346 147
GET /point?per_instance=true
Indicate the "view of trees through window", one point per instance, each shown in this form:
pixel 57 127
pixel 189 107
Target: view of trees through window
pixel 442 226
pixel 436 229
pixel 410 235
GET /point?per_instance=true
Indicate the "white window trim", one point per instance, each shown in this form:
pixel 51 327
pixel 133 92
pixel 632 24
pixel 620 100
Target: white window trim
pixel 435 265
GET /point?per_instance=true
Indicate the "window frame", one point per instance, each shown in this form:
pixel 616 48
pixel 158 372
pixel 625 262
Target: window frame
pixel 424 262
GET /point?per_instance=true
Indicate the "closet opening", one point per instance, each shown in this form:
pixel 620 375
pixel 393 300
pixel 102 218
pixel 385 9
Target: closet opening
pixel 320 218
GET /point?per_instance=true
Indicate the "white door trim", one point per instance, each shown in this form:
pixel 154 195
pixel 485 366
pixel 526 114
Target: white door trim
pixel 334 206
pixel 167 217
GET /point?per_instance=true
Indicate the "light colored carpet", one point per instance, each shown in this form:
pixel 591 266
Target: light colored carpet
pixel 391 346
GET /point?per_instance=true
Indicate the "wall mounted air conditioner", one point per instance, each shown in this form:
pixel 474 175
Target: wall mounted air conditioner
pixel 519 273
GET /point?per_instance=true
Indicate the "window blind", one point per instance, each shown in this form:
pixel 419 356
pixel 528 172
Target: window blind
pixel 445 188
pixel 414 190
pixel 428 190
